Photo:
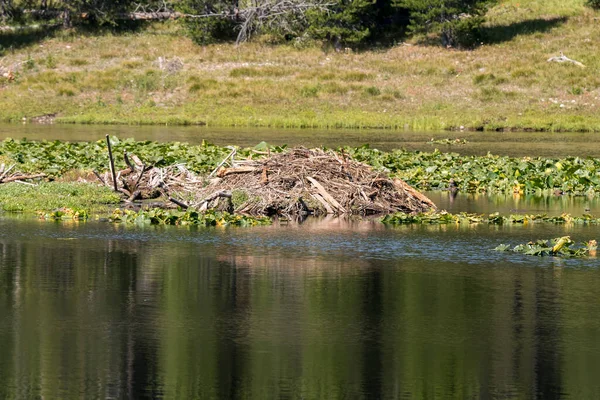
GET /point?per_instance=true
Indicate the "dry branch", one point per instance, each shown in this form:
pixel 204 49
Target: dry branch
pixel 564 59
pixel 19 177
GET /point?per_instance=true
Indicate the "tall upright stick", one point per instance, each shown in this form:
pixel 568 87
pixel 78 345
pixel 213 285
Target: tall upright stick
pixel 112 164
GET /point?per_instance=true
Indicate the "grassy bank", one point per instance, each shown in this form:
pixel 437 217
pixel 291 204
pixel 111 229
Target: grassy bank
pixel 16 197
pixel 504 84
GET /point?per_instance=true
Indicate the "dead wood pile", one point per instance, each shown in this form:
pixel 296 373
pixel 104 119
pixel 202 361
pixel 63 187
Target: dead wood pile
pixel 297 182
pixel 143 182
pixel 304 181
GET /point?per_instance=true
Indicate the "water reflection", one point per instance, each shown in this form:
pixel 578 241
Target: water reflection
pixel 514 203
pixel 98 311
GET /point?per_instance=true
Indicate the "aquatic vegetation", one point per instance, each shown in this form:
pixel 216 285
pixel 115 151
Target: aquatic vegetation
pixel 448 141
pixel 490 173
pixel 444 217
pixel 159 216
pixel 57 157
pixel 557 247
pixel 64 214
pixel 422 170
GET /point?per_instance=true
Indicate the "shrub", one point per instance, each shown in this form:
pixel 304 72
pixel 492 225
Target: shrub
pixel 372 91
pixel 593 3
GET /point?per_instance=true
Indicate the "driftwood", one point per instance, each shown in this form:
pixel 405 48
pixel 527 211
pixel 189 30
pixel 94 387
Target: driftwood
pixel 179 203
pixel 19 177
pixel 564 59
pixel 16 176
pixel 204 204
pixel 326 196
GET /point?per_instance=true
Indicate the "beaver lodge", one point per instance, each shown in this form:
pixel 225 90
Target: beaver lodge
pixel 297 182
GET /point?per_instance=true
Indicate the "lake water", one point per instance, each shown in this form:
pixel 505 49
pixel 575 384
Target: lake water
pixel 479 143
pixel 327 309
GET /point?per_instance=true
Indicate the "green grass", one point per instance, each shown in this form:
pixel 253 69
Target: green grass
pixel 504 84
pixel 49 196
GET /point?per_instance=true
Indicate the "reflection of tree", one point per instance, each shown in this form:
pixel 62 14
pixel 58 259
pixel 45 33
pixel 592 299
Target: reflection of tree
pixel 548 346
pixel 120 318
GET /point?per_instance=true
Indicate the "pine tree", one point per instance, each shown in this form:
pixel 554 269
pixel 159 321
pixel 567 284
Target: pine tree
pixel 348 22
pixel 457 21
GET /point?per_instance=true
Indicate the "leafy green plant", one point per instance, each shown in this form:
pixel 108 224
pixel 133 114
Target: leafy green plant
pixel 423 170
pixel 444 217
pixel 557 247
pixel 490 173
pixel 159 216
pixel 448 141
pixel 576 90
pixel 372 91
pixel 50 62
pixel 64 214
pixel 310 91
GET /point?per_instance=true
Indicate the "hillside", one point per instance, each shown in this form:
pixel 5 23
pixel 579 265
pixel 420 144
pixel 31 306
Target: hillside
pixel 506 83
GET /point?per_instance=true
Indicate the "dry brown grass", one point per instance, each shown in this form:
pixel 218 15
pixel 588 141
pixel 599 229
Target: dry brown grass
pixel 506 84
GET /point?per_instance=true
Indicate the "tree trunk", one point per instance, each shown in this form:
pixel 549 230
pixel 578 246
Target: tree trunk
pixel 67 19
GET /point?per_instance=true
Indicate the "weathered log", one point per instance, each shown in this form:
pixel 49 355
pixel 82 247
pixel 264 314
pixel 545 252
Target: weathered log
pixel 131 167
pixel 325 204
pixel 21 177
pixel 401 185
pixel 564 59
pixel 203 205
pixel 235 170
pixel 179 203
pixel 134 196
pixel 326 195
pixel 6 172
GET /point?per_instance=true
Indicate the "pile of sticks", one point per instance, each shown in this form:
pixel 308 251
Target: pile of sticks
pixel 294 183
pixel 304 181
pixel 140 181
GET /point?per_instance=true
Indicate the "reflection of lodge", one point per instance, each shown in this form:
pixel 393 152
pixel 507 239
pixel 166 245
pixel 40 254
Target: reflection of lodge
pixel 122 318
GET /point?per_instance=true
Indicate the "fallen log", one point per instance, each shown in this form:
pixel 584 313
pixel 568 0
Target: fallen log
pixel 179 203
pixel 21 177
pixel 203 205
pixel 326 196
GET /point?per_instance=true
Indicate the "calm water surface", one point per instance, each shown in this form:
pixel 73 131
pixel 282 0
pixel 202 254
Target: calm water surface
pixel 479 143
pixel 514 203
pixel 329 309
